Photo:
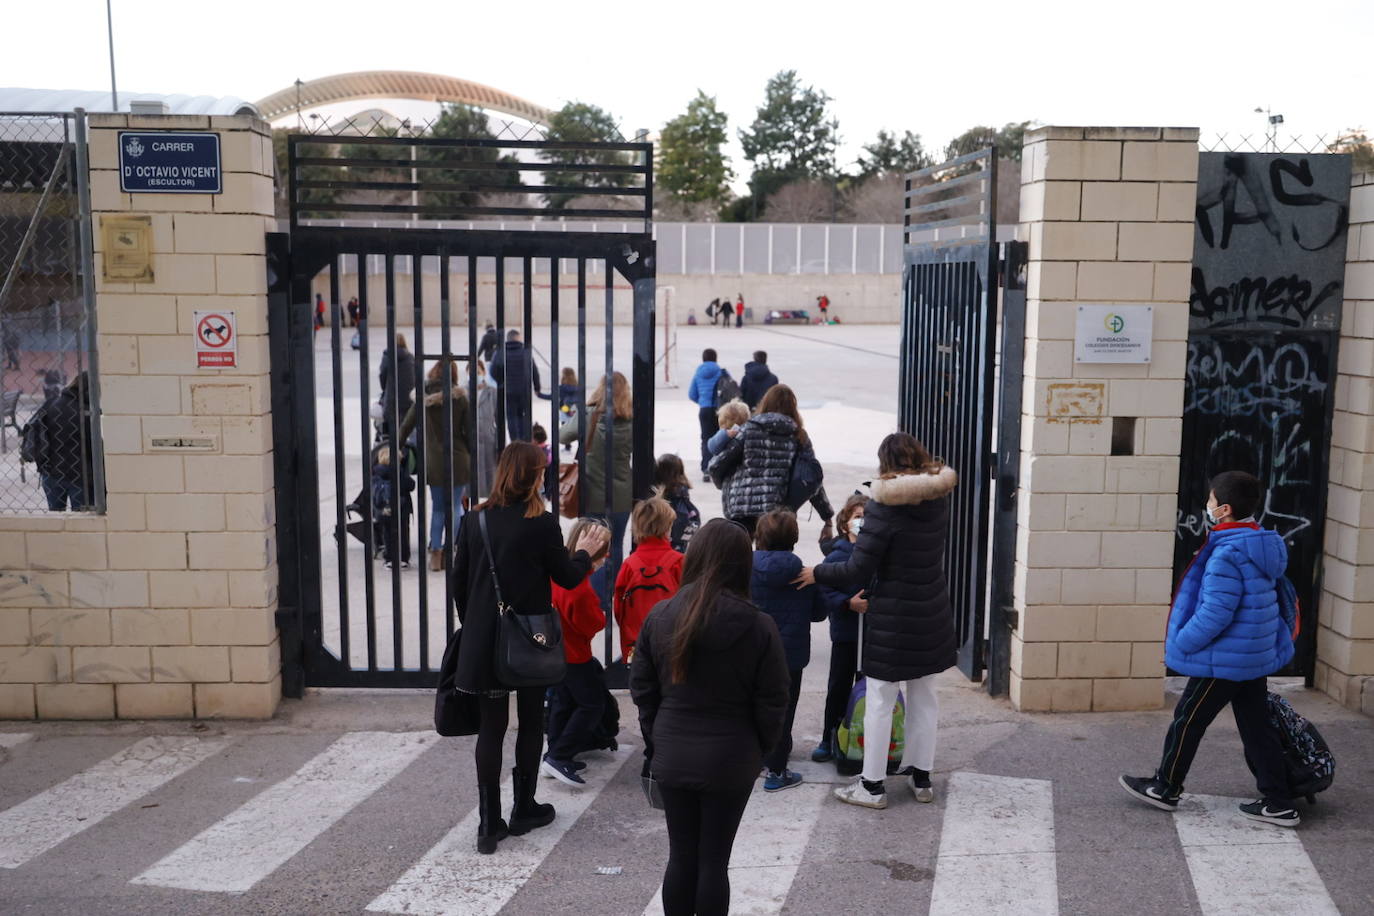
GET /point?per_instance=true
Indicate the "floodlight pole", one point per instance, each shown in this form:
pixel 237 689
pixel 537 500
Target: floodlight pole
pixel 109 28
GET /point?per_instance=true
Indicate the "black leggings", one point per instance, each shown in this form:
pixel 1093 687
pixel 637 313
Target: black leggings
pixel 701 833
pixel 529 739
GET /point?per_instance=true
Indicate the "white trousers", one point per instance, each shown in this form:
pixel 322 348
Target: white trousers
pixel 922 717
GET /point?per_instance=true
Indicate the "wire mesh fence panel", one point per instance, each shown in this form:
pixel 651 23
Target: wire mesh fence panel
pixel 48 456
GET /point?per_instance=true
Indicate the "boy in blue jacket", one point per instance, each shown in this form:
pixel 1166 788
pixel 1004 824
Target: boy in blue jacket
pixel 793 610
pixel 1227 632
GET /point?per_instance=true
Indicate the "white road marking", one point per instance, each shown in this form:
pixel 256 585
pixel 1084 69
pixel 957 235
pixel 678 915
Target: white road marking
pixel 769 846
pixel 1241 867
pixel 11 739
pixel 454 877
pixel 249 844
pixel 37 824
pixel 997 851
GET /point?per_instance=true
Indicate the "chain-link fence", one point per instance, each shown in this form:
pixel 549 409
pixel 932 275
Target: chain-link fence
pixel 49 457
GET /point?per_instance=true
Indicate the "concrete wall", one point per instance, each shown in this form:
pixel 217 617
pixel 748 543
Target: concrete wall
pixel 164 606
pixel 1108 213
pixel 1345 639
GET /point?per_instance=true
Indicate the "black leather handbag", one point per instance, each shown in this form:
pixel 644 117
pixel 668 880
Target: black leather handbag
pixel 455 712
pixel 529 647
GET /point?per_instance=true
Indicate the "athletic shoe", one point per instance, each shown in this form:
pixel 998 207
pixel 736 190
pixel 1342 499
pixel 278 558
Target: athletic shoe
pixel 1151 791
pixel 705 478
pixel 822 753
pixel 856 793
pixel 562 770
pixel 918 781
pixel 577 765
pixel 1278 815
pixel 776 782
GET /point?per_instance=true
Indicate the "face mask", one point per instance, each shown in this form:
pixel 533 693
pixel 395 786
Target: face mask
pixel 856 525
pixel 1211 519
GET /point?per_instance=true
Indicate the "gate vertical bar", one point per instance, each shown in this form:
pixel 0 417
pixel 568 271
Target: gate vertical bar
pixel 582 384
pixel 290 573
pixel 91 320
pixel 643 459
pixel 502 383
pixel 555 386
pixel 449 369
pixel 421 480
pixel 479 484
pixel 340 461
pixel 391 413
pixel 365 437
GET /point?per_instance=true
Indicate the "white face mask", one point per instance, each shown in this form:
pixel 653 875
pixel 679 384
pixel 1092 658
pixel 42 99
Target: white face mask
pixel 856 525
pixel 1211 518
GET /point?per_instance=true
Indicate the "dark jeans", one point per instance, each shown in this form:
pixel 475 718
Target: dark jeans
pixel 706 416
pixel 776 759
pixel 844 664
pixel 701 834
pixel 1202 699
pixel 61 493
pixel 491 733
pixel 576 709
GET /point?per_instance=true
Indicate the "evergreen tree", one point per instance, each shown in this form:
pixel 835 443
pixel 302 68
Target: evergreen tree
pixel 890 154
pixel 691 160
pixel 583 123
pixel 793 137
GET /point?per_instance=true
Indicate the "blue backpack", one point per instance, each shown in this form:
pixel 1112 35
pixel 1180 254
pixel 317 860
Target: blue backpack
pixel 1311 765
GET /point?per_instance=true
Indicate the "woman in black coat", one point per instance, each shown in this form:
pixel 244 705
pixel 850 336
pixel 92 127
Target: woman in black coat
pixel 711 683
pixel 909 627
pixel 528 549
pixel 398 393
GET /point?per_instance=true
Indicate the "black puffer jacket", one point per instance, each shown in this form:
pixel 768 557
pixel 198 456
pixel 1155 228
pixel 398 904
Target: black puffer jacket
pixel 710 732
pixel 909 629
pixel 754 467
pixel 758 378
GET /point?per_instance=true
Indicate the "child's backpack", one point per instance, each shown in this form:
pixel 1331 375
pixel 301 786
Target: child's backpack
pixel 727 389
pixel 847 744
pixel 648 585
pixel 687 522
pixel 1310 763
pixel 383 495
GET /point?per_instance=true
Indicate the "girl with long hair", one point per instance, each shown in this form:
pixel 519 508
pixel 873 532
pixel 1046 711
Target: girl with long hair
pixel 710 680
pixel 443 428
pixel 527 551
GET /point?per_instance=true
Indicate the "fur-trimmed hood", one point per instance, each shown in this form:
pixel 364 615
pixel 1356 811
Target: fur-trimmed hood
pixel 911 489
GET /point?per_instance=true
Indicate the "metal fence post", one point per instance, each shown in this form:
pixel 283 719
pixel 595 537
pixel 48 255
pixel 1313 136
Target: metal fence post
pixel 83 196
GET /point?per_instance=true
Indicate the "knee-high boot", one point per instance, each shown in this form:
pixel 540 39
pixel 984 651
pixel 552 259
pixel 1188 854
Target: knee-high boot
pixel 491 829
pixel 527 814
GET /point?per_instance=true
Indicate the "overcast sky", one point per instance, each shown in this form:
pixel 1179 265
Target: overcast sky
pixel 935 68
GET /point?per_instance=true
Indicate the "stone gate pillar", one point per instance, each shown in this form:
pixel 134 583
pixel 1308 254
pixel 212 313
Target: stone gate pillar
pixel 1109 215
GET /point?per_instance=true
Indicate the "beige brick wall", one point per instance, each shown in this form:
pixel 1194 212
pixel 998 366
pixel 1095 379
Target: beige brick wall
pixel 1108 213
pixel 1345 635
pixel 162 607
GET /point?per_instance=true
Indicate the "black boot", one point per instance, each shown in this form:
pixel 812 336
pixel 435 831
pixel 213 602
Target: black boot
pixel 490 828
pixel 527 814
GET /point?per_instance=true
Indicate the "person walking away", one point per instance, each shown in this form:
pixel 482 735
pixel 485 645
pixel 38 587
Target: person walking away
pixel 491 340
pixel 446 505
pixel 528 553
pixel 610 434
pixel 702 392
pixel 319 311
pixel 391 507
pixel 909 627
pixel 727 312
pixel 651 573
pixel 823 303
pixel 844 605
pixel 398 393
pixel 578 705
pixel 486 433
pixel 670 476
pixel 710 681
pixel 1228 633
pixel 793 610
pixel 758 378
pixel 517 374
pixel 57 439
pixel 567 391
pixel 755 467
pixel 731 419
pixel 739 311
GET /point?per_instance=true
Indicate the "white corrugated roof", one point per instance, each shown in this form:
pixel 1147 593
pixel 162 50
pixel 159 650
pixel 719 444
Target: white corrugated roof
pixel 95 100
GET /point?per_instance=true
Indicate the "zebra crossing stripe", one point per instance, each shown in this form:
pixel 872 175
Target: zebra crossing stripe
pixel 997 851
pixel 1241 867
pixel 249 844
pixel 12 739
pixel 769 846
pixel 39 823
pixel 454 877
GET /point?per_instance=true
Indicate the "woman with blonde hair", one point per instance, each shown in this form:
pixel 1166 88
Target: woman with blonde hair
pixel 528 553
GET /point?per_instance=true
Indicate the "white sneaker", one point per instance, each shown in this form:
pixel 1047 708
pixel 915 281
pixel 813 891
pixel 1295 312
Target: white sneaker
pixel 856 794
pixel 924 793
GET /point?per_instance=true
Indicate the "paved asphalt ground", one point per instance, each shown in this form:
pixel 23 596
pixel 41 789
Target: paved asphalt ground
pixel 1049 830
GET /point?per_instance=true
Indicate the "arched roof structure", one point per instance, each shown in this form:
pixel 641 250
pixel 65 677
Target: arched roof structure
pixel 398 84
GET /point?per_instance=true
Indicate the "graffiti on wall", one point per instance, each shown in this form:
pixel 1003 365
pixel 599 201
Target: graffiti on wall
pixel 1265 311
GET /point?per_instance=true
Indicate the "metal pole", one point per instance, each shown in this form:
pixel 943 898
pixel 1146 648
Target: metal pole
pixel 83 196
pixel 109 28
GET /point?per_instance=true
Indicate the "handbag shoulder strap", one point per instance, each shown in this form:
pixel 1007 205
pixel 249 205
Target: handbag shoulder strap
pixel 491 561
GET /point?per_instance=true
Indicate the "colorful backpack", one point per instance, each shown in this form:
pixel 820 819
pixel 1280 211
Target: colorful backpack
pixel 847 744
pixel 1310 763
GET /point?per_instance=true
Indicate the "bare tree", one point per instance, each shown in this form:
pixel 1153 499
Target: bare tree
pixel 878 199
pixel 802 202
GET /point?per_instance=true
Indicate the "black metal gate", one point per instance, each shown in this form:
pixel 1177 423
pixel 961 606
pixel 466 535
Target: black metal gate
pixel 1265 317
pixel 948 395
pixel 346 619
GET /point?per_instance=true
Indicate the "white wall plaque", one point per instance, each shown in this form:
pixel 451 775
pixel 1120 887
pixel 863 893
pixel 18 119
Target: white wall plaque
pixel 1113 334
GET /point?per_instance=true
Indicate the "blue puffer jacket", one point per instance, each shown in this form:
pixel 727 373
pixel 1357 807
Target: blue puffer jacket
pixel 792 609
pixel 703 388
pixel 1226 621
pixel 844 623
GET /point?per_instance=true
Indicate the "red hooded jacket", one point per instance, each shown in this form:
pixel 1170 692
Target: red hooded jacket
pixel 582 619
pixel 652 573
